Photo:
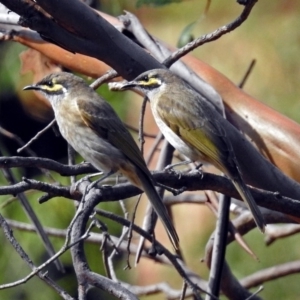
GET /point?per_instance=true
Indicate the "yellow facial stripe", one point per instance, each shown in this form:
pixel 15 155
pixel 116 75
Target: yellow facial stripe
pixel 54 88
pixel 151 81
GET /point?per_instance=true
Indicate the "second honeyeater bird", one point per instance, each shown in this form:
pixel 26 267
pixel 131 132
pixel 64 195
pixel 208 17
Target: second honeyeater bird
pixel 93 129
pixel 192 126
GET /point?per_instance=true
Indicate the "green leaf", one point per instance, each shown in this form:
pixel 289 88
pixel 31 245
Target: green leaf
pixel 186 35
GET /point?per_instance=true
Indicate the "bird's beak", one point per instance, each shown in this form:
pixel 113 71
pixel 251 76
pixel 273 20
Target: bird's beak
pixel 31 87
pixel 128 85
pixel 123 85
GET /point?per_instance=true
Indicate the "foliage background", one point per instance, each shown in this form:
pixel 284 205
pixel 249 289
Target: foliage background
pixel 270 36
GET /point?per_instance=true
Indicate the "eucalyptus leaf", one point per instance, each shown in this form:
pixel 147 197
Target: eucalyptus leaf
pixel 186 35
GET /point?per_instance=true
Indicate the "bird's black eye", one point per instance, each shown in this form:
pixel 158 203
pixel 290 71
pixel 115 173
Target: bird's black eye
pixel 145 78
pixel 49 83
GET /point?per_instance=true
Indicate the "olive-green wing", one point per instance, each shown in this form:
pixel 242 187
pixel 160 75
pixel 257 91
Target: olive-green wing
pixel 101 117
pixel 200 127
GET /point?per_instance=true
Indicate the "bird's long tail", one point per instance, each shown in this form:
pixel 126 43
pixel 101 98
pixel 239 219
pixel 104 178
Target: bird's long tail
pixel 159 207
pixel 249 200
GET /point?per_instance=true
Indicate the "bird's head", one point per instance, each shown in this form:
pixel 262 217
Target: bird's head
pixel 150 81
pixel 56 86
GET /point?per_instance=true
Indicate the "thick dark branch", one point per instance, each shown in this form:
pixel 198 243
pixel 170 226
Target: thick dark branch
pixel 92 36
pixel 45 163
pixel 30 184
pixel 192 181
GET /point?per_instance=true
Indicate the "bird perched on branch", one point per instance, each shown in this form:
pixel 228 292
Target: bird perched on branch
pixel 93 129
pixel 192 126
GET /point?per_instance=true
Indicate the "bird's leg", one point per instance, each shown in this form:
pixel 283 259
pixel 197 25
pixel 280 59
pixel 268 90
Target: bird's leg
pixel 87 177
pixel 198 168
pixel 170 167
pixel 94 183
pixel 175 192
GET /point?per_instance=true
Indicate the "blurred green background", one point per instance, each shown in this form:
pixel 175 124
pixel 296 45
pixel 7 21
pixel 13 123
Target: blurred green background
pixel 271 36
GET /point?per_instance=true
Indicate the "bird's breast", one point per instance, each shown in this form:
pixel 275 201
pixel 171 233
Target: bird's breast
pixel 172 137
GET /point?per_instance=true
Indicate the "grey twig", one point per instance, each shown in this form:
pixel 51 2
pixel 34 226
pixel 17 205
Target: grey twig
pixel 36 270
pixel 160 52
pixel 277 271
pixel 109 75
pixel 247 74
pixel 37 136
pixel 33 217
pixel 176 262
pixel 211 36
pixel 275 232
pixel 219 247
pixel 159 137
pixel 141 124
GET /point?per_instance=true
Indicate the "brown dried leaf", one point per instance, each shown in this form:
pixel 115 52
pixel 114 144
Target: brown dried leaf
pixel 41 66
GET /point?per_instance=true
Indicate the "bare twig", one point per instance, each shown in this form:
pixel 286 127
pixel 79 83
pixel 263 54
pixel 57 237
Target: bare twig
pixel 233 232
pixel 71 161
pixel 37 136
pixel 154 147
pixel 128 266
pixel 189 181
pixel 173 259
pixel 134 129
pixel 247 74
pixel 45 163
pixel 36 270
pixel 160 52
pixel 114 252
pixel 275 232
pixel 109 75
pixel 219 248
pixel 211 36
pixel 32 216
pixel 17 139
pixel 141 125
pixel 271 273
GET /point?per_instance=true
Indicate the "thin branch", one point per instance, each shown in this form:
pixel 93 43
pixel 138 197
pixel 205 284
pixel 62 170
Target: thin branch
pixel 94 238
pixel 211 36
pixel 71 162
pixel 37 136
pixel 275 232
pixel 114 252
pixel 192 181
pixel 247 74
pixel 32 216
pixel 9 235
pixel 109 75
pixel 219 247
pixel 161 287
pixel 141 124
pixel 272 273
pixel 45 163
pixel 160 52
pixel 17 139
pixel 159 137
pixel 161 249
pixel 84 275
pixel 134 129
